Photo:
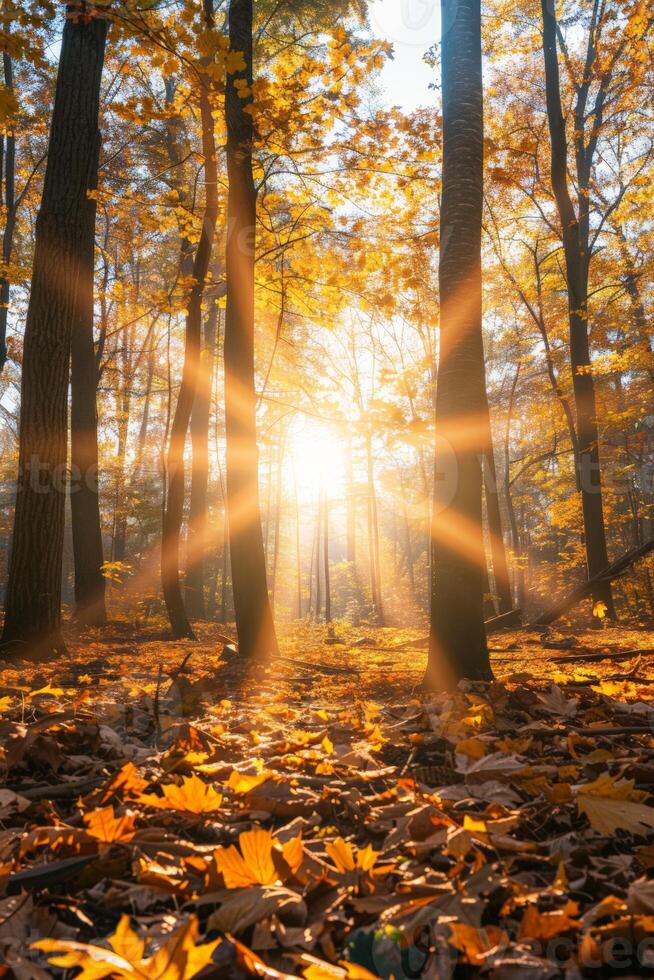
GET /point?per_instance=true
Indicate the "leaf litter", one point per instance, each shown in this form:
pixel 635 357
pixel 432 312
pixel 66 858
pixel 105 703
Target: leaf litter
pixel 323 822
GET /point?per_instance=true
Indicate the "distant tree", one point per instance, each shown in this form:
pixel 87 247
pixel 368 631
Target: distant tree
pixel 577 248
pixel 174 510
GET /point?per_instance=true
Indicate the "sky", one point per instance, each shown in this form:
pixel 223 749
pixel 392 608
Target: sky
pixel 412 26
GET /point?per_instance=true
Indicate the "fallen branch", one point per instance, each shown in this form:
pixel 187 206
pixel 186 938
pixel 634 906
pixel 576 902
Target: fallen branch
pixel 583 658
pixel 582 591
pixel 512 618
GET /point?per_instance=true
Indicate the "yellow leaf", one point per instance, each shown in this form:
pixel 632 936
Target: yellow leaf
pixel 180 958
pixel 341 854
pixel 473 748
pixel 347 858
pixel 241 783
pixel 235 62
pixel 55 692
pixel 193 798
pixel 475 826
pixel 293 853
pixel 253 865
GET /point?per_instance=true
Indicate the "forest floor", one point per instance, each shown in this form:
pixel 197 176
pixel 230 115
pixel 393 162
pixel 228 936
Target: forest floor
pixel 165 814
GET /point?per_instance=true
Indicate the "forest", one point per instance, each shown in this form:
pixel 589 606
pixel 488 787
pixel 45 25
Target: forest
pixel 326 489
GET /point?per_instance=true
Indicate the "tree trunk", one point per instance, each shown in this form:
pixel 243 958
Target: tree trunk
pixel 9 168
pixel 498 550
pixel 576 261
pixel 373 536
pixel 197 519
pixel 316 553
pixel 508 496
pixel 408 545
pixel 277 518
pixel 351 516
pixel 174 511
pixel 33 602
pixel 298 553
pixel 254 621
pixel 88 555
pixel 457 643
pixel 325 530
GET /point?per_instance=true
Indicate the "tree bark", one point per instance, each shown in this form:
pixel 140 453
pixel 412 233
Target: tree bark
pixel 194 584
pixel 254 621
pixel 298 553
pixel 9 168
pixel 457 643
pixel 33 602
pixel 575 246
pixel 351 516
pixel 325 531
pixel 86 523
pixel 498 550
pixel 174 510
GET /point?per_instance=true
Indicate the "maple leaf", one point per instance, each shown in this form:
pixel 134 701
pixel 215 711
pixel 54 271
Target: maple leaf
pixel 126 783
pixel 607 814
pixel 254 865
pixel 109 829
pixel 547 925
pixel 347 858
pixel 180 958
pixel 475 943
pixel 240 783
pixel 193 798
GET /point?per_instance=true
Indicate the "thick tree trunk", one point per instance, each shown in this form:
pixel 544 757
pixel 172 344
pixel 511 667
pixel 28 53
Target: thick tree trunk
pixel 88 555
pixel 254 621
pixel 174 510
pixel 576 261
pixel 457 646
pixel 8 171
pixel 33 603
pixel 194 583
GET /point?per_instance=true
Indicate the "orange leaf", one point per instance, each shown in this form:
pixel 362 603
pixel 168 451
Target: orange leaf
pixel 107 828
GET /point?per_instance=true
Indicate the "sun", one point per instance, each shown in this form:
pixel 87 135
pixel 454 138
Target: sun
pixel 317 459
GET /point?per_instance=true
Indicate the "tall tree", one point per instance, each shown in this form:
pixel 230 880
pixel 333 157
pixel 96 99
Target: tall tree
pixel 194 584
pixel 457 642
pixel 254 621
pixel 33 601
pixel 84 492
pixel 174 510
pixel 8 197
pixel 576 247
